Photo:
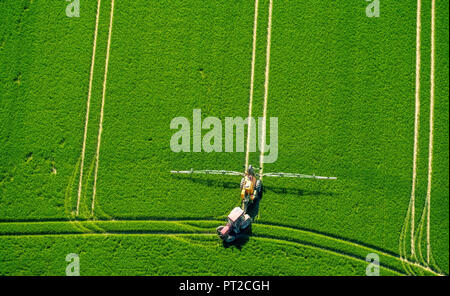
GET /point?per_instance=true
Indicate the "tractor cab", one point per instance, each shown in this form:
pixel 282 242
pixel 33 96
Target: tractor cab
pixel 234 218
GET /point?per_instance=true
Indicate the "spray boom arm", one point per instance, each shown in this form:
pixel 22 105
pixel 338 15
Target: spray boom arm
pixel 234 173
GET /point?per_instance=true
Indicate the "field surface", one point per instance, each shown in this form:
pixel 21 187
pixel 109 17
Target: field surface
pixel 85 158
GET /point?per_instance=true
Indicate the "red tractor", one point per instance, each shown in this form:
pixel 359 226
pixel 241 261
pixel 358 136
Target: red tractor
pixel 238 221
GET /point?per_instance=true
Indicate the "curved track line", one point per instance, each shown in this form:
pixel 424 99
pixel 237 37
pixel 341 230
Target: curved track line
pixel 325 250
pixel 357 245
pixel 313 234
pixel 91 77
pixel 252 78
pixel 402 240
pixel 419 235
pixel 262 224
pixel 142 219
pixel 425 217
pixel 185 234
pixel 100 128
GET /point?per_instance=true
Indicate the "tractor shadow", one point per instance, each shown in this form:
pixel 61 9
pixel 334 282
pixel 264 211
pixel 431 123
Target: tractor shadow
pixel 241 239
pixel 235 185
pixel 209 182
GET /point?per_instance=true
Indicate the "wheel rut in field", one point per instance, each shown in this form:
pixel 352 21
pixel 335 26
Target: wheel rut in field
pixel 307 238
pixel 191 234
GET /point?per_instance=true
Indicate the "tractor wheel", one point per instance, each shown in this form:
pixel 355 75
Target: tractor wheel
pixel 229 238
pixel 247 221
pixel 259 189
pixel 218 229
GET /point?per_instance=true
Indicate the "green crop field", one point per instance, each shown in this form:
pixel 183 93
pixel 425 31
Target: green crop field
pixel 86 105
